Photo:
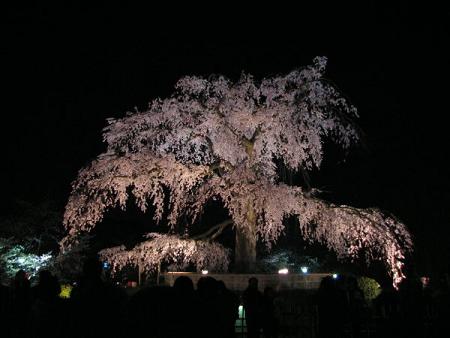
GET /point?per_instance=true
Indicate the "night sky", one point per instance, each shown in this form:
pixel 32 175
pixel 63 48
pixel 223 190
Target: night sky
pixel 68 69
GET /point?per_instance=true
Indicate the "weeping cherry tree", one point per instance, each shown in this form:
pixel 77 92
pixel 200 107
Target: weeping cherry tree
pixel 218 140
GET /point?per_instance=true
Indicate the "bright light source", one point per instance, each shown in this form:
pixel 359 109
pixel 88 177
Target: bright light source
pixel 283 271
pixel 304 269
pixel 241 311
pixel 204 272
pixel 105 265
pixel 335 275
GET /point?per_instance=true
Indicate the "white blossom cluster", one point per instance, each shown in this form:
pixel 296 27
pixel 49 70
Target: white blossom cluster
pixel 161 248
pixel 14 257
pixel 217 139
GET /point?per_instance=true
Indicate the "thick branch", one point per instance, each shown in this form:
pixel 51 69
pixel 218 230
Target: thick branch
pixel 213 232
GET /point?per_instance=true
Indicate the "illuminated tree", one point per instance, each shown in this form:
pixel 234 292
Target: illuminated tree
pixel 29 236
pixel 214 139
pixel 15 257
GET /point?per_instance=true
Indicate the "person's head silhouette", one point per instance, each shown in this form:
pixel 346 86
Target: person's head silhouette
pixel 21 279
pixel 183 285
pixel 253 283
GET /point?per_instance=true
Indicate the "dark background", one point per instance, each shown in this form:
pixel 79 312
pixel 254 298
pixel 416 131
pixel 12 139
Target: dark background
pixel 66 69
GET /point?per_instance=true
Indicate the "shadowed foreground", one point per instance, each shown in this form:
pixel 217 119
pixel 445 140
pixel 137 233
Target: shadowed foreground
pixel 337 309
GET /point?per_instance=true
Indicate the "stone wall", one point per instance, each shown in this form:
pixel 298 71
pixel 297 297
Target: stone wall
pixel 238 282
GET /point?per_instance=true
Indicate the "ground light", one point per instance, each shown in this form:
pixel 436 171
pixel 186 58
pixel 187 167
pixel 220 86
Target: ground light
pixel 204 272
pixel 304 269
pixel 283 271
pixel 335 275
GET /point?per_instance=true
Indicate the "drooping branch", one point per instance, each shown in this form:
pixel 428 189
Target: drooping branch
pixel 104 184
pixel 161 248
pixel 346 230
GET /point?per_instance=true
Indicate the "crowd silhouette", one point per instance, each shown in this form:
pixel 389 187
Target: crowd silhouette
pixel 99 309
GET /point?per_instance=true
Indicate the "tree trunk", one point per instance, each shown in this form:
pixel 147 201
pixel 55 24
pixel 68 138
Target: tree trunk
pixel 139 272
pixel 245 247
pixel 244 252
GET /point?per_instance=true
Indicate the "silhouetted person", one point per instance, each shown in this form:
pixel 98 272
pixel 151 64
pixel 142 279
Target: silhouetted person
pixel 269 320
pixel 412 307
pixel 48 288
pixel 183 286
pixel 427 293
pixel 209 307
pixel 331 306
pixel 47 312
pixel 98 308
pixel 21 290
pixel 387 307
pixel 150 310
pixel 253 305
pixel 356 305
pixel 441 301
pixel 184 311
pixel 21 301
pixel 229 309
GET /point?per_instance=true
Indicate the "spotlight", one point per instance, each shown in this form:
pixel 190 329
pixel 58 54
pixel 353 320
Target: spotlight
pixel 304 269
pixel 335 275
pixel 283 271
pixel 204 272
